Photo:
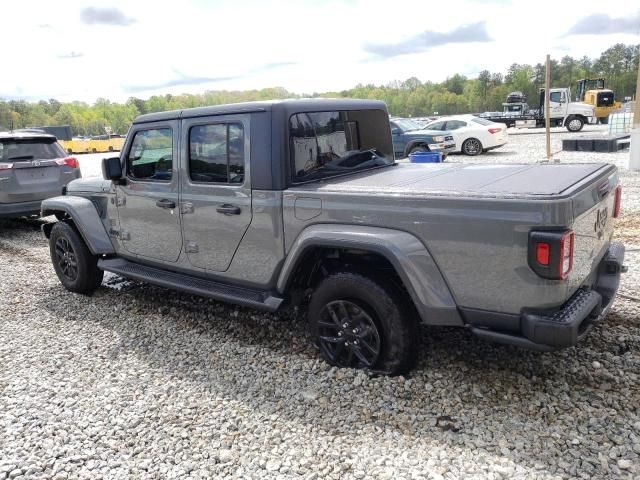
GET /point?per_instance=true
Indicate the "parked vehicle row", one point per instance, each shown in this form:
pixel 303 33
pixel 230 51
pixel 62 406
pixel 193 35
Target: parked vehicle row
pixel 301 202
pixel 465 134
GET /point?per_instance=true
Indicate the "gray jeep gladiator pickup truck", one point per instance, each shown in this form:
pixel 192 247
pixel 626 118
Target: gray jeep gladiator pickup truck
pixel 301 202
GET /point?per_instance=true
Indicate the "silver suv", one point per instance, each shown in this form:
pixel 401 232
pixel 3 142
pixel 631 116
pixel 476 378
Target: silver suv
pixel 33 167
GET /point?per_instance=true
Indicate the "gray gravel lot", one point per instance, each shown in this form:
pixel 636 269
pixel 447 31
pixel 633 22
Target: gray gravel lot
pixel 140 382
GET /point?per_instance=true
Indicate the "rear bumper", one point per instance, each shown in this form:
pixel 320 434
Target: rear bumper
pixel 8 210
pixel 564 327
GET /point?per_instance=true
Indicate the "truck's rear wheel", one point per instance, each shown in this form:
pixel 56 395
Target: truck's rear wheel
pixel 74 264
pixel 359 323
pixel 574 124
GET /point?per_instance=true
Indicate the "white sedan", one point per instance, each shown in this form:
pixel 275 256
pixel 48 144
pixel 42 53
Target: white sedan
pixel 473 135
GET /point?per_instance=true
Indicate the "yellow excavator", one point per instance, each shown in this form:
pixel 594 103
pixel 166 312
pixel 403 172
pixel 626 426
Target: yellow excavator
pixel 592 91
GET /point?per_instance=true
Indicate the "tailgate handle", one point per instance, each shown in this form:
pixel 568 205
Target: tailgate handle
pixel 603 189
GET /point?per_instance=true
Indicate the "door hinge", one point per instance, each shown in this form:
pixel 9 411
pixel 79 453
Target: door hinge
pixel 187 207
pixel 191 247
pixel 121 201
pixel 124 235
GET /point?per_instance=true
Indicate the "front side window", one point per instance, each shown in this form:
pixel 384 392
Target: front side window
pixel 556 97
pixel 151 155
pixel 216 153
pixel 324 144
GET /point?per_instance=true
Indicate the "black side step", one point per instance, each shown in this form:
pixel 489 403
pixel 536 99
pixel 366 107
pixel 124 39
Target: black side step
pixel 259 299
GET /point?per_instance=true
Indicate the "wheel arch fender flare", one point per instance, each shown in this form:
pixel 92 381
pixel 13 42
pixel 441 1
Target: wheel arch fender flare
pixel 85 217
pixel 410 258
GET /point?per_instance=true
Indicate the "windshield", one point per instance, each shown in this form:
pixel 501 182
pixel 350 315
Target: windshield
pixel 325 144
pixel 29 149
pixel 408 125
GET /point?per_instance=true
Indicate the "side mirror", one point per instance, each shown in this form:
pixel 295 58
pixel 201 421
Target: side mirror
pixel 111 168
pixel 395 131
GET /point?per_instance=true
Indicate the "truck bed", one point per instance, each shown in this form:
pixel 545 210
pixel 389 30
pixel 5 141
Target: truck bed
pixel 537 181
pixel 472 216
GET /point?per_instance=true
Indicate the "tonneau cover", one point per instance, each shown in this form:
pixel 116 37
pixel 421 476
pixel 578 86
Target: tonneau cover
pixel 509 181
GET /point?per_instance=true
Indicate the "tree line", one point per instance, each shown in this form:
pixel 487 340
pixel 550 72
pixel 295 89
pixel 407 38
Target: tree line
pixel 408 98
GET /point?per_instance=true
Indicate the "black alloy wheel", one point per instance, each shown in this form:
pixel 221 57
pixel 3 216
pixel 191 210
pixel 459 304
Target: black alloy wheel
pixel 66 259
pixel 348 335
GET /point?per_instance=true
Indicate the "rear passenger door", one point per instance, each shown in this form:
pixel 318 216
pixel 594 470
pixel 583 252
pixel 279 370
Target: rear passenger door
pixel 216 189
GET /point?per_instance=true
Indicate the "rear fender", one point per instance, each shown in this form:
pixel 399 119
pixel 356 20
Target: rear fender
pixel 85 217
pixel 411 260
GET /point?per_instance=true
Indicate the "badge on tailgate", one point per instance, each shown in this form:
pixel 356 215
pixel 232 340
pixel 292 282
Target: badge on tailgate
pixel 601 219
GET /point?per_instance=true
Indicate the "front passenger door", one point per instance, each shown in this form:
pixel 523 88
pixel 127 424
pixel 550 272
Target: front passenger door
pixel 147 197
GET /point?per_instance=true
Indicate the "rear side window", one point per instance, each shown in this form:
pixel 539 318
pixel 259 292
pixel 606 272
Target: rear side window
pixel 455 124
pixel 151 155
pixel 436 126
pixel 29 149
pixel 216 153
pixel 325 144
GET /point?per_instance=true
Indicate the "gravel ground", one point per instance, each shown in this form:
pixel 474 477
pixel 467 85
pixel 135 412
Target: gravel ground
pixel 140 382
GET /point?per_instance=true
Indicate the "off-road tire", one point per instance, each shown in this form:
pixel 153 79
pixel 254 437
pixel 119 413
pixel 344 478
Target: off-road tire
pixel 389 308
pixel 86 277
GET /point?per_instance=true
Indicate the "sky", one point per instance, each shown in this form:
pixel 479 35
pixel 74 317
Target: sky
pixel 83 50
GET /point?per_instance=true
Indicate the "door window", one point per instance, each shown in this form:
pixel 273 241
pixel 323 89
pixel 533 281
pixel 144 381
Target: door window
pixel 151 155
pixel 557 97
pixel 216 153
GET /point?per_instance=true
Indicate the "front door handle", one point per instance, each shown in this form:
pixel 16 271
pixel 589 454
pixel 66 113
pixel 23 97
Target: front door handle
pixel 164 203
pixel 228 209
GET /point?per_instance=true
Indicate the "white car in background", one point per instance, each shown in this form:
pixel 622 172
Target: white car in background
pixel 473 135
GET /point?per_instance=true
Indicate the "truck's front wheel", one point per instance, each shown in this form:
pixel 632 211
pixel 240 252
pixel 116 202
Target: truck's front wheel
pixel 359 322
pixel 574 124
pixel 74 264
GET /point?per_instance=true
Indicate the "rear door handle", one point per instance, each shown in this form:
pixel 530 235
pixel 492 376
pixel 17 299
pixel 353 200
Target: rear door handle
pixel 228 209
pixel 164 203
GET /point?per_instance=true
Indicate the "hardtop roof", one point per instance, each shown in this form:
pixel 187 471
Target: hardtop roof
pixel 26 135
pixel 289 106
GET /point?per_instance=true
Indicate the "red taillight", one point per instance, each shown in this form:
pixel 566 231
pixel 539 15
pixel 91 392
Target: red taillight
pixel 495 130
pixel 566 254
pixel 618 202
pixel 69 162
pixel 6 166
pixel 542 253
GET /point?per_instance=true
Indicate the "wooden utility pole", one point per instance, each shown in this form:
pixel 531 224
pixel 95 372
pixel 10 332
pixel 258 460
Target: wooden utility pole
pixel 547 121
pixel 636 110
pixel 634 150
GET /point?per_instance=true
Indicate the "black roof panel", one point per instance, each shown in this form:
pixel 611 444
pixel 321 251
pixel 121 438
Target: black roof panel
pixel 286 106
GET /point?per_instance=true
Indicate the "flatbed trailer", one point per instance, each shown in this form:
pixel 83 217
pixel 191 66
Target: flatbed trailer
pixel 572 115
